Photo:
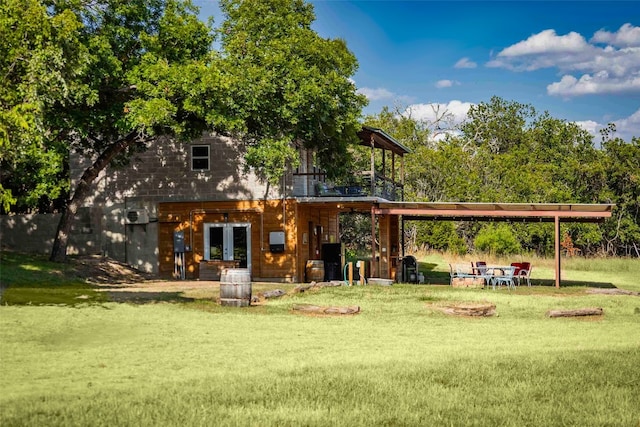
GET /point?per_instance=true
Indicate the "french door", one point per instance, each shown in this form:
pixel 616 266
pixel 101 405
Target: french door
pixel 228 242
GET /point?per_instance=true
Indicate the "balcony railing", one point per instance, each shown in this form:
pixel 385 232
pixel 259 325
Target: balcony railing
pixel 363 185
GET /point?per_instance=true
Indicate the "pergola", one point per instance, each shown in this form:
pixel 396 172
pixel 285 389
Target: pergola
pixel 514 212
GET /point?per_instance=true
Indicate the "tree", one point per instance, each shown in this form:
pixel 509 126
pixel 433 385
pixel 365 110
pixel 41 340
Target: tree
pixel 147 69
pixel 108 76
pixel 289 85
pixel 39 56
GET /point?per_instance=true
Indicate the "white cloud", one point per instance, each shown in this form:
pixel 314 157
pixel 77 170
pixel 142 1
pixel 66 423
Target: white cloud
pixel 629 127
pixel 588 84
pixel 603 69
pixel 443 119
pixel 590 126
pixel 382 94
pixel 376 94
pixel 446 83
pixel 626 128
pixel 627 35
pixel 465 63
pixel 545 42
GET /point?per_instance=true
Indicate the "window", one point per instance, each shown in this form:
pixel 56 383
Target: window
pixel 200 157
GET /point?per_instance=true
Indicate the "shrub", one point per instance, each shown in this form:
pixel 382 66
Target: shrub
pixel 497 239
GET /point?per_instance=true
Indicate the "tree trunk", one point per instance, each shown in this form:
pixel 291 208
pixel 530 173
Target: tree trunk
pixel 589 311
pixel 59 250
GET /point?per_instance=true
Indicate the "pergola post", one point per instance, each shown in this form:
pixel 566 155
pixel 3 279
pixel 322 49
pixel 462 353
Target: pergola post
pixel 373 167
pixel 374 266
pixel 557 248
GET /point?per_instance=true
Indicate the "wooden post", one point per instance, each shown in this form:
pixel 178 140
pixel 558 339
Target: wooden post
pixel 393 175
pixel 557 249
pixel 373 168
pixel 374 266
pixel 350 274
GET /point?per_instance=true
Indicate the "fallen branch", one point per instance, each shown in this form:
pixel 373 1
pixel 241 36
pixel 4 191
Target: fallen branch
pixel 316 309
pixel 593 311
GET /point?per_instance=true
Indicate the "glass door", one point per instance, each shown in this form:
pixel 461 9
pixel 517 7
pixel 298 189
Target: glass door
pixel 228 242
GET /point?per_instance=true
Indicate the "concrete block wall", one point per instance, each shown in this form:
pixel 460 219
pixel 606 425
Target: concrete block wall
pixel 164 170
pixel 163 173
pixel 34 233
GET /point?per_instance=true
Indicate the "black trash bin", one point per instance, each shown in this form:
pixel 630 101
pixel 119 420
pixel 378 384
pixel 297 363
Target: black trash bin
pixel 410 269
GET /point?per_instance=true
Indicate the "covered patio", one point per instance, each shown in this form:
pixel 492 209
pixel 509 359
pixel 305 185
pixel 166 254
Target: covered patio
pixel 513 212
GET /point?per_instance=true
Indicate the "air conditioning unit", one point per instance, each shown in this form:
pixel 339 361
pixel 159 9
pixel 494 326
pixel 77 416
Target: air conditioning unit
pixel 136 216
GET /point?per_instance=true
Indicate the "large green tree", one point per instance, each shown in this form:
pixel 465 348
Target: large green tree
pixel 509 152
pixel 146 61
pixel 40 56
pixel 288 85
pixel 102 78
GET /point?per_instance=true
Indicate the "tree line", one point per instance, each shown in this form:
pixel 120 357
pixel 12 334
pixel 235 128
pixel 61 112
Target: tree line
pixel 509 152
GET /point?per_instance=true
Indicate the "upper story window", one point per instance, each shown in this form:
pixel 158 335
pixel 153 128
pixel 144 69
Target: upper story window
pixel 200 157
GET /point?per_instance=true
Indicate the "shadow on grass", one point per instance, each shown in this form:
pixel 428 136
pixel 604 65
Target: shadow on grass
pixel 147 297
pixel 573 283
pixel 443 278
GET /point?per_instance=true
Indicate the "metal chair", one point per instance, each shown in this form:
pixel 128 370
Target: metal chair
pixel 507 278
pixel 524 273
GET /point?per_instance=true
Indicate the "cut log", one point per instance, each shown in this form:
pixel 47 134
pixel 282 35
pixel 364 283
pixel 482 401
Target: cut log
pixel 588 311
pixel 312 285
pixel 317 309
pixel 469 309
pixel 276 293
pixel 303 288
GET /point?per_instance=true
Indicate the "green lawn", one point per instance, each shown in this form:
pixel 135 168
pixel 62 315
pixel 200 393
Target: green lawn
pixel 398 362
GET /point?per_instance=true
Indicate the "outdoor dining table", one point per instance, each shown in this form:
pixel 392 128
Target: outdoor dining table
pixel 500 274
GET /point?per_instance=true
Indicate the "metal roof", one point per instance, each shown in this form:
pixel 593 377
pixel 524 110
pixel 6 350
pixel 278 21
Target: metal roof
pixel 463 211
pixel 523 212
pixel 381 140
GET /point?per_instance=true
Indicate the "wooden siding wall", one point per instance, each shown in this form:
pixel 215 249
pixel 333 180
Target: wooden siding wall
pixel 327 218
pixel 264 216
pixel 389 246
pixel 300 222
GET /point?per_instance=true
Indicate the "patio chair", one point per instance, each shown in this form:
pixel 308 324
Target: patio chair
pixel 524 273
pixel 507 278
pixel 452 274
pixel 480 269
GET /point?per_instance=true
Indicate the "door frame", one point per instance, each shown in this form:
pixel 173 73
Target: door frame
pixel 227 239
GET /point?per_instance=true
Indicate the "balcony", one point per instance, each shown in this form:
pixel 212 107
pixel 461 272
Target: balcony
pixel 384 179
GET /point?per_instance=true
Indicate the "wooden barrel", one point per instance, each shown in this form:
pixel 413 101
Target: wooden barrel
pixel 315 270
pixel 235 287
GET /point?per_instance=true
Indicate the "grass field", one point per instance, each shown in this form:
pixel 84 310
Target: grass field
pixel 398 362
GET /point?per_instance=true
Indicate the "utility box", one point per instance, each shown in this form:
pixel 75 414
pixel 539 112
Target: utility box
pixel 276 241
pixel 178 241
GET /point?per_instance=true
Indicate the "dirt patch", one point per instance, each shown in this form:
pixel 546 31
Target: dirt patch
pixel 101 270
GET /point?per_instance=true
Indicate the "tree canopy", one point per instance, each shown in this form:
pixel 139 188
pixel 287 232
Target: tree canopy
pixel 104 77
pixel 509 152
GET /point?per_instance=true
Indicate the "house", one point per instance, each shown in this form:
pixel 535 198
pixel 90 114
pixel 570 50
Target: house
pixel 187 210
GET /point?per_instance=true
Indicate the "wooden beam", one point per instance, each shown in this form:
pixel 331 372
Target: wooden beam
pixel 491 213
pixel 374 266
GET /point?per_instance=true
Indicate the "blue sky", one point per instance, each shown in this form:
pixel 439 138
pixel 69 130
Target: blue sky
pixel 578 60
